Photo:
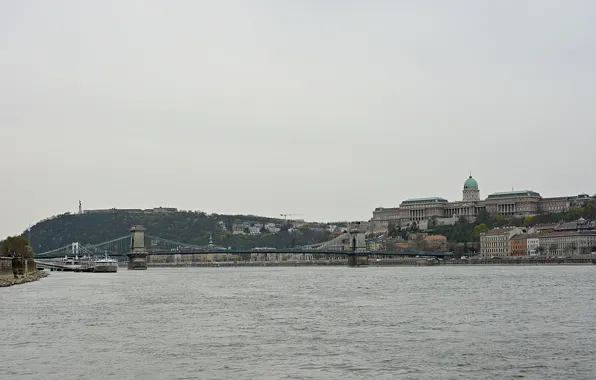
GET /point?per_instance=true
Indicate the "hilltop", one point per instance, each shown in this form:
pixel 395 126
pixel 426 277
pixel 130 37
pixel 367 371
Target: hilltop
pixel 190 227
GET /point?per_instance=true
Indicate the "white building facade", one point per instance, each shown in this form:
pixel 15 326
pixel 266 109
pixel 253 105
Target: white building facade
pixel 569 243
pixel 496 242
pixel 533 244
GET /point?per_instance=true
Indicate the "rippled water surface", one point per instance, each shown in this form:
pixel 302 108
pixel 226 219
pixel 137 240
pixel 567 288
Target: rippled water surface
pixel 303 323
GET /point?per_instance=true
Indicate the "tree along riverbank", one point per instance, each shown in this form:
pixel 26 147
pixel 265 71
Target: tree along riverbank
pixel 30 277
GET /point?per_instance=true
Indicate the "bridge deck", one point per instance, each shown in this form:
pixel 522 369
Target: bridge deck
pixel 295 252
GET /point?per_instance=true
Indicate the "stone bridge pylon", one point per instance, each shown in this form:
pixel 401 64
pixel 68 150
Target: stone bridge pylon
pixel 358 255
pixel 137 258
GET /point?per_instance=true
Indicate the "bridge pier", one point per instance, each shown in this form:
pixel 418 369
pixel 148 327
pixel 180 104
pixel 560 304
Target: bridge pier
pixel 137 258
pixel 357 236
pixel 356 260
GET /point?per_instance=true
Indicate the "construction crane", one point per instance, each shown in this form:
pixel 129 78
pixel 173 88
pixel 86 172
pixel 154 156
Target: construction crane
pixel 286 217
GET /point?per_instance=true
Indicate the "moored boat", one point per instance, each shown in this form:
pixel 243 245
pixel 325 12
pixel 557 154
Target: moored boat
pixel 75 264
pixel 105 265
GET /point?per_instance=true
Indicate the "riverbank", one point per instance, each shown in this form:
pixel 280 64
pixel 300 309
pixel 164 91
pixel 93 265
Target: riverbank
pixel 383 262
pixel 10 280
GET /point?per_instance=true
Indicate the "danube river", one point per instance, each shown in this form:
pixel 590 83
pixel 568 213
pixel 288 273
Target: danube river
pixel 470 322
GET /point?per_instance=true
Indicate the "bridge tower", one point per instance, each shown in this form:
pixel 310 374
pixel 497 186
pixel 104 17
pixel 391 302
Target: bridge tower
pixel 137 258
pixel 357 237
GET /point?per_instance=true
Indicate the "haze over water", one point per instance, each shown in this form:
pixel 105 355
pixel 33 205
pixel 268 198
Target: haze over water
pixel 303 323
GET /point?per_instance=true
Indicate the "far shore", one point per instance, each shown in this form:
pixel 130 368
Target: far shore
pixel 382 262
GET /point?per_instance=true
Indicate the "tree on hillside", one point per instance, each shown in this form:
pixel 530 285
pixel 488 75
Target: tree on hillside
pixel 403 233
pixel 528 221
pixel 414 227
pixel 484 217
pixel 391 230
pixel 590 210
pixel 500 220
pixel 191 228
pixel 574 213
pixel 432 223
pixel 17 245
pixel 29 254
pixel 480 229
pixel 417 242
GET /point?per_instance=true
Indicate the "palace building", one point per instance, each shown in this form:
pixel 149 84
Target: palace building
pixel 518 203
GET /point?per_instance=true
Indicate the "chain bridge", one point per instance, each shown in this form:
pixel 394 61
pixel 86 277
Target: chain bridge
pixel 138 245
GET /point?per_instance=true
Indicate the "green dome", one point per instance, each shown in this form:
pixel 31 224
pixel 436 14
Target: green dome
pixel 470 184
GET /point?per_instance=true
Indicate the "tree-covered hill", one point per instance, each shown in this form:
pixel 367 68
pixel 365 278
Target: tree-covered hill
pixel 183 226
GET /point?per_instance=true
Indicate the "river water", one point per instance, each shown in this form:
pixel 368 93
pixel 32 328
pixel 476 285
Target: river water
pixel 475 322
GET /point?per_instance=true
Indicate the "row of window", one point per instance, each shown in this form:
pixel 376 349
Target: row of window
pixel 493 238
pixel 492 250
pixel 494 245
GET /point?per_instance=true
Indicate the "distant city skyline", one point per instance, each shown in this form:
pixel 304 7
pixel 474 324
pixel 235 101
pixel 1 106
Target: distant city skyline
pixel 81 207
pixel 326 109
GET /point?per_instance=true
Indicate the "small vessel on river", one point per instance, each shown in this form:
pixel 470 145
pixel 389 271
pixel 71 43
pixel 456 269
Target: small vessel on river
pixel 75 264
pixel 104 265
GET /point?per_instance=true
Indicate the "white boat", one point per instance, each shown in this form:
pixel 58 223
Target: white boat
pixel 104 265
pixel 74 263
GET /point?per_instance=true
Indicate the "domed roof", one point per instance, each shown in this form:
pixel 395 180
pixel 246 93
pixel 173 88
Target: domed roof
pixel 470 184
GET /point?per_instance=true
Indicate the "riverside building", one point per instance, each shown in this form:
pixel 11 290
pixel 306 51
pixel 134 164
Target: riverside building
pixel 440 211
pixel 567 239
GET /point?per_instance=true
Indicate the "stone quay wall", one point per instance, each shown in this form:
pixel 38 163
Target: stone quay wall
pixel 10 265
pixel 26 271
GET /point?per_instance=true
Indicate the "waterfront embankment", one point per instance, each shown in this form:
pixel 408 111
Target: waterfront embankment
pixel 29 277
pixel 388 262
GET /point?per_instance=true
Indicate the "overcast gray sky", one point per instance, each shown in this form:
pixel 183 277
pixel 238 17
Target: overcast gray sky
pixel 316 107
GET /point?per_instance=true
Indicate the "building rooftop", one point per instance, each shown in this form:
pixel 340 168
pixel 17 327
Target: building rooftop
pixel 533 236
pixel 542 226
pixel 471 184
pixel 378 209
pixel 580 224
pixel 425 200
pixel 516 193
pixel 569 233
pixel 435 237
pixel 499 231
